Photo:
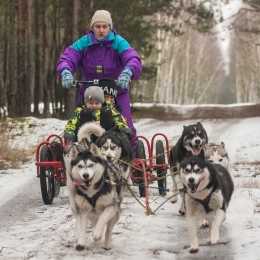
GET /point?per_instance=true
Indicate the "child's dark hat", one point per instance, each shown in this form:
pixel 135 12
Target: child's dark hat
pixel 109 87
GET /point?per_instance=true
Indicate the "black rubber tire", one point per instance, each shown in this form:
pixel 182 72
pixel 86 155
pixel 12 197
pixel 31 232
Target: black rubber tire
pixel 46 176
pixel 58 151
pixel 161 172
pixel 140 153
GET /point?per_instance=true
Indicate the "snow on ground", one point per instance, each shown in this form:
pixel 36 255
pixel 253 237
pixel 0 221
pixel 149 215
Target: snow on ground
pixel 48 232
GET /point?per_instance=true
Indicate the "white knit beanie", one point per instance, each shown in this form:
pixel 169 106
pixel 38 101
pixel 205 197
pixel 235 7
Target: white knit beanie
pixel 94 93
pixel 102 16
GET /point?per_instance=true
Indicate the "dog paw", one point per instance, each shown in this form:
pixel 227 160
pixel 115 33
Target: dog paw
pixel 182 212
pixel 204 224
pixel 174 199
pixel 80 247
pixel 96 235
pixel 214 241
pixel 193 250
pixel 107 247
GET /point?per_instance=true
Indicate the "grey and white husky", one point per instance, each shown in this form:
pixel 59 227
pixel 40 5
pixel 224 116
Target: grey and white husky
pixel 92 195
pixel 209 188
pixel 215 153
pixel 116 149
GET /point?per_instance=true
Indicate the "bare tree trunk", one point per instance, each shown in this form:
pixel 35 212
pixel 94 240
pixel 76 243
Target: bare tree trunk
pixel 187 71
pixel 72 93
pixel 37 80
pixel 45 65
pixel 30 69
pixel 159 59
pixel 22 104
pixel 201 96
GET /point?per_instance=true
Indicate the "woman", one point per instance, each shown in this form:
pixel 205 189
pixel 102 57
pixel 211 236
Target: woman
pixel 102 53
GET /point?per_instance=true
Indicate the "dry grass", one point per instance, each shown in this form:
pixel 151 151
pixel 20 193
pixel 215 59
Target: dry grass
pixel 256 163
pixel 249 184
pixel 12 158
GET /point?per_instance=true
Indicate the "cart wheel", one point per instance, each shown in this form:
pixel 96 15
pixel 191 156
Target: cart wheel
pixel 58 151
pixel 46 176
pixel 162 171
pixel 140 153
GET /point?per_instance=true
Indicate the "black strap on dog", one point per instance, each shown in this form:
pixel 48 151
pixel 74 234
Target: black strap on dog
pixel 92 201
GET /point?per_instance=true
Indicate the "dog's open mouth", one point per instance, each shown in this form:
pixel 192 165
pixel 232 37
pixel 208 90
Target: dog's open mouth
pixel 193 187
pixel 196 148
pixel 79 181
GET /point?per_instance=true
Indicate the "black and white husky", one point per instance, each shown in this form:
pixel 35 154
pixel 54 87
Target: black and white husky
pixel 90 181
pixel 209 188
pixel 193 139
pixel 116 149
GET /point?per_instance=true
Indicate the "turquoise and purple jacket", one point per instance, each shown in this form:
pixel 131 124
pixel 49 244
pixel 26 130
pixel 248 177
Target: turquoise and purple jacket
pixel 100 59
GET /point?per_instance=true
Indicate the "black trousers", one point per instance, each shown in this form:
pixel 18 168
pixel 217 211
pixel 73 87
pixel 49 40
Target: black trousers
pixel 106 118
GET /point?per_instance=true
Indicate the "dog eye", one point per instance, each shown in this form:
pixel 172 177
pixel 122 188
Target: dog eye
pixel 187 170
pixel 104 147
pixel 211 161
pixel 197 170
pixel 113 147
pixel 80 166
pixel 220 160
pixel 91 165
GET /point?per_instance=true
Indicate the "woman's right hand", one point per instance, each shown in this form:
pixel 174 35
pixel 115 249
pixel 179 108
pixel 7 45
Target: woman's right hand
pixel 67 79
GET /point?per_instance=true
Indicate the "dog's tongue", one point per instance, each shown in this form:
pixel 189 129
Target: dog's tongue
pixel 196 149
pixel 203 175
pixel 78 181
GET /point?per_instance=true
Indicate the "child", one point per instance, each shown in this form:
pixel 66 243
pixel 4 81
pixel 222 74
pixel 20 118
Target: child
pixel 100 108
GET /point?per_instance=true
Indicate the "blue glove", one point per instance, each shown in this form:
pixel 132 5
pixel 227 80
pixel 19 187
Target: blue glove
pixel 67 79
pixel 124 78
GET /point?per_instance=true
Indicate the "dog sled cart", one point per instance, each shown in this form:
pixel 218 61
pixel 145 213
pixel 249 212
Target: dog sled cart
pixel 51 168
pixel 149 169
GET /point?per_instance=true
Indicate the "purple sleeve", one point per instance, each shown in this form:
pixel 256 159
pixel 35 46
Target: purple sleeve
pixel 69 59
pixel 131 58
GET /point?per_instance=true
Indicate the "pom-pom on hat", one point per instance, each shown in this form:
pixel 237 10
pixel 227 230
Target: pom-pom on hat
pixel 109 87
pixel 102 16
pixel 94 93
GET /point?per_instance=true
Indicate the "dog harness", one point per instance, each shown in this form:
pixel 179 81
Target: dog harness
pixel 205 203
pixel 92 201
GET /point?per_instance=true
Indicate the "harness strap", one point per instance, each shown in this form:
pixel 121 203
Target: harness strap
pixel 205 203
pixel 92 201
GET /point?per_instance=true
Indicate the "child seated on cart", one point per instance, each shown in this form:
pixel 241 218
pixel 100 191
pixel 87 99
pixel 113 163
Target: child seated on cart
pixel 100 108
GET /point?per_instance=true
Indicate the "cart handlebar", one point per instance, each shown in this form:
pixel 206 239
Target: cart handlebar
pixel 79 83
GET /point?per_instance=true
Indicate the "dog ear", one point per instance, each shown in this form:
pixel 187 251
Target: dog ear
pixel 222 145
pixel 95 150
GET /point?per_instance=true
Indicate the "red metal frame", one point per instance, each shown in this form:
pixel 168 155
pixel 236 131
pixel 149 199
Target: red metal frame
pixel 58 167
pixel 142 164
pixel 148 165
